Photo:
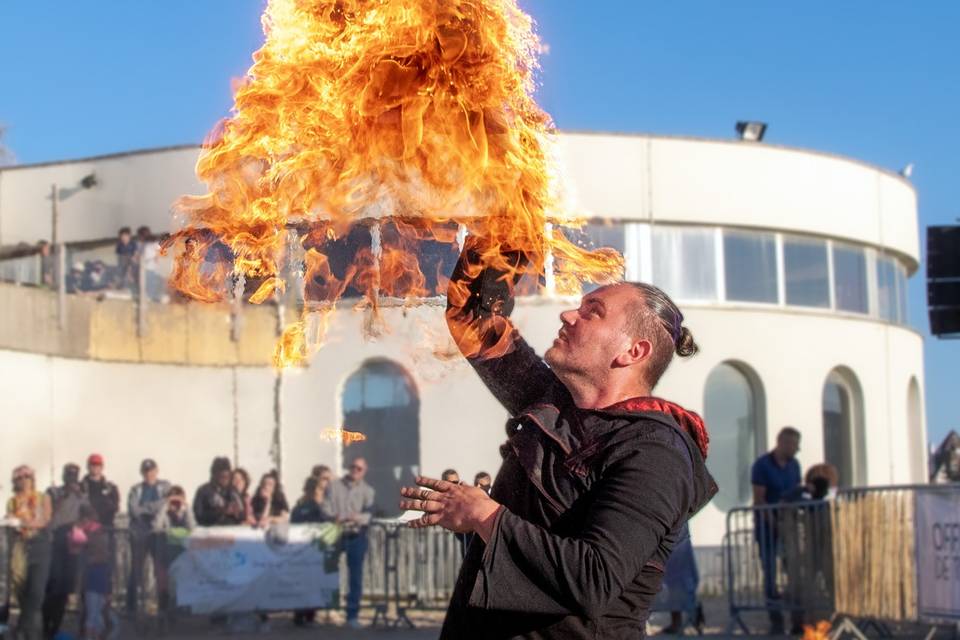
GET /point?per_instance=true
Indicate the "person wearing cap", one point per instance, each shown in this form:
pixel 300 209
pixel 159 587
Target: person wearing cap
pixel 144 503
pixel 30 556
pixel 67 501
pixel 102 494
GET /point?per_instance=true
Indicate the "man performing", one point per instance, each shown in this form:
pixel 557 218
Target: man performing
pixel 598 477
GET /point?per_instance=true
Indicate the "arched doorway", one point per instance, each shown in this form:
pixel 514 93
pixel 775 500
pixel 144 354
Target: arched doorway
pixel 380 401
pixel 735 410
pixel 844 442
pixel 915 435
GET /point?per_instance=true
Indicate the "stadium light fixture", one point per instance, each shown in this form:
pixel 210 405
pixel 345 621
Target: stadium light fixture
pixel 751 130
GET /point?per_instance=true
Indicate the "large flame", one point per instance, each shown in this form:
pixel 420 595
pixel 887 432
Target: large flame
pixel 359 111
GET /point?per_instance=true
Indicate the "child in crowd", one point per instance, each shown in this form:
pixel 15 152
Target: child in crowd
pixel 90 539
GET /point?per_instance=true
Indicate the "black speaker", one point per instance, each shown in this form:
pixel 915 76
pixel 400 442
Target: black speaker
pixel 943 252
pixel 943 280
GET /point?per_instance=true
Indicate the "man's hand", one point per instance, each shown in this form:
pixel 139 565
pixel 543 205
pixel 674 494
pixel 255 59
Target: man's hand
pixel 456 507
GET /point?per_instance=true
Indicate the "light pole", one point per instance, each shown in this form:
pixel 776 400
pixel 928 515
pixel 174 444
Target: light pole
pixel 59 246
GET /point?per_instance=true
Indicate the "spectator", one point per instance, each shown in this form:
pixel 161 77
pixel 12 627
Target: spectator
pixel 309 509
pixel 74 282
pixel 102 494
pixel 774 475
pixel 66 501
pixel 270 504
pixel 451 475
pixel 350 501
pixel 217 503
pixel 483 481
pixel 681 579
pixel 241 482
pixel 172 525
pixel 30 556
pixel 148 253
pixel 95 276
pixel 47 268
pixel 91 538
pixel 144 503
pixel 126 259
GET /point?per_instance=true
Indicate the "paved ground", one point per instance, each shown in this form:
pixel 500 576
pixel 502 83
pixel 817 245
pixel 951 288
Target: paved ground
pixel 280 627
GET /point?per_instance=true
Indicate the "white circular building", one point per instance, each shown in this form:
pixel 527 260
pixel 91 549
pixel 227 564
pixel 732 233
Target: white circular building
pixel 790 266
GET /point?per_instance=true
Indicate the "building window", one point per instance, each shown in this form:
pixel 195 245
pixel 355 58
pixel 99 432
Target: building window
pixel 806 272
pixel 734 408
pixel 750 263
pixel 844 441
pixel 380 401
pixel 684 262
pixel 850 279
pixel 900 274
pixel 595 236
pixel 888 305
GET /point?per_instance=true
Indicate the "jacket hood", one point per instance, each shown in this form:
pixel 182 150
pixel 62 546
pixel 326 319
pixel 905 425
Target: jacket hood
pixel 672 414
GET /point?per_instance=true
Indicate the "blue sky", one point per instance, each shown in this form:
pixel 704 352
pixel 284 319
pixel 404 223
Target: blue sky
pixel 876 80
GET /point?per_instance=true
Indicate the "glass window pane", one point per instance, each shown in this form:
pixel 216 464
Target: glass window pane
pixel 887 289
pixel 806 272
pixel 684 262
pixel 751 266
pixel 730 410
pixel 850 279
pixel 593 236
pixel 901 275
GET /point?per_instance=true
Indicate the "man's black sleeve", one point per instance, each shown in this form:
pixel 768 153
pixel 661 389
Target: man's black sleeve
pixel 478 307
pixel 530 569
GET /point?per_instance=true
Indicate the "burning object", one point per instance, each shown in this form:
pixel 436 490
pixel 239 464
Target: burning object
pixel 339 434
pixel 411 122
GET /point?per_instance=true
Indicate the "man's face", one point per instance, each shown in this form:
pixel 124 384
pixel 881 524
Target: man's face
pixel 593 335
pixel 150 476
pixel 788 446
pixel 358 469
pixel 452 477
pixel 223 478
pixel 484 483
pixel 95 470
pixel 124 238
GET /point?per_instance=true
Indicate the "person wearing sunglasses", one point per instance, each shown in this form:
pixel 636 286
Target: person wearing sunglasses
pixel 350 503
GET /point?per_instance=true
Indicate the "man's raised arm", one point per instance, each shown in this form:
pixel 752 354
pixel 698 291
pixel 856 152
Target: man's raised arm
pixel 479 302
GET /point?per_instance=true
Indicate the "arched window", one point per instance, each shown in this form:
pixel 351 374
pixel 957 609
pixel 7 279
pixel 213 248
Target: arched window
pixel 844 442
pixel 918 451
pixel 381 402
pixel 735 412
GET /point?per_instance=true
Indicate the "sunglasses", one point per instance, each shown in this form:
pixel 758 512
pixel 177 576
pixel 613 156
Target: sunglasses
pixel 357 467
pixel 25 476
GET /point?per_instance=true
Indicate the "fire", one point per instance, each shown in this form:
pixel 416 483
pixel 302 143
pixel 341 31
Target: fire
pixel 402 122
pixel 819 632
pixel 337 433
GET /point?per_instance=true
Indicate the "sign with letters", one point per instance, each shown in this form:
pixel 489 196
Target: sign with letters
pixel 938 553
pixel 240 569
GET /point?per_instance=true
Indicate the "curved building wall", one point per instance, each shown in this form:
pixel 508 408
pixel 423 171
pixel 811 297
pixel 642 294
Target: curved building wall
pixel 683 211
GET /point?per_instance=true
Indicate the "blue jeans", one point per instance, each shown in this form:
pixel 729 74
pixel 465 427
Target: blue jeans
pixel 355 546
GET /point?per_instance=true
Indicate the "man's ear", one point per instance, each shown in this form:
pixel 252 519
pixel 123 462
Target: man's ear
pixel 638 351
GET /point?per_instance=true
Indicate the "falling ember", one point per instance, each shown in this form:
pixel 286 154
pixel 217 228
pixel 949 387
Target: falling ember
pixel 819 632
pixel 348 437
pixel 401 122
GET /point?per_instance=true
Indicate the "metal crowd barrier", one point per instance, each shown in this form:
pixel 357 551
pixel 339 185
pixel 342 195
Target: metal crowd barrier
pixel 850 560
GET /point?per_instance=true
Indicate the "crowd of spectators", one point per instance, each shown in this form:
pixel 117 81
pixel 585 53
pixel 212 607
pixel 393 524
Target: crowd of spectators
pixel 134 252
pixel 65 538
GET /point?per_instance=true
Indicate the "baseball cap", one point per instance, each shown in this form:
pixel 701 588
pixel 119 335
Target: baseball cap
pixel 95 458
pixel 148 464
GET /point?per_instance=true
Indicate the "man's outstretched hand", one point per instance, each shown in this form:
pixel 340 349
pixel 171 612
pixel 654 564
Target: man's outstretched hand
pixel 456 507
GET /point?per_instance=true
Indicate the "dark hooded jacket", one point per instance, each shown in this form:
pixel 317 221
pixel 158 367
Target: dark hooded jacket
pixel 594 502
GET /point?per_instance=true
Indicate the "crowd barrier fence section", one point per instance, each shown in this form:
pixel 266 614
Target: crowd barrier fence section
pixel 851 559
